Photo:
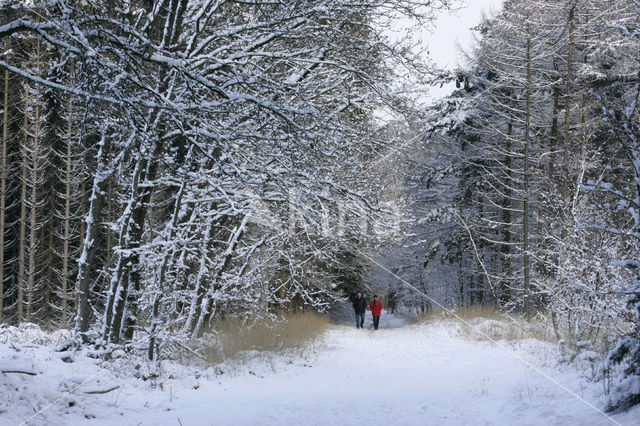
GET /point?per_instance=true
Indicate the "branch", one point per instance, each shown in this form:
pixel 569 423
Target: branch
pixel 94 392
pixel 30 373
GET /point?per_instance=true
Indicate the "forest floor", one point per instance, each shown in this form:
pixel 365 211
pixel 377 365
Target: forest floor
pixel 402 374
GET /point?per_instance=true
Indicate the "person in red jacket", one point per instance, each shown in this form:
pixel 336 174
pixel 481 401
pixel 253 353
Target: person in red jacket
pixel 376 310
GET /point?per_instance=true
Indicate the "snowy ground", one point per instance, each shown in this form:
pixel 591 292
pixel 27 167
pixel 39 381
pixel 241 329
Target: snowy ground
pixel 400 374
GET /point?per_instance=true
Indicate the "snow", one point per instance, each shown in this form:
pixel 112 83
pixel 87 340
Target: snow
pixel 426 374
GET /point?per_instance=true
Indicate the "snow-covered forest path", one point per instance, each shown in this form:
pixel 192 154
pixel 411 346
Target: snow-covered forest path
pixel 414 374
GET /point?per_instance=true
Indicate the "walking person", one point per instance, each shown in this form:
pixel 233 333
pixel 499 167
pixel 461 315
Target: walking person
pixel 360 306
pixel 376 310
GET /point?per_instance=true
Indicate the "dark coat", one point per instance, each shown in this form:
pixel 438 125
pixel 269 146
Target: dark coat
pixel 359 305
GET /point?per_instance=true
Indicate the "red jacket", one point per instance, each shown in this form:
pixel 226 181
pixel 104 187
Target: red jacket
pixel 376 310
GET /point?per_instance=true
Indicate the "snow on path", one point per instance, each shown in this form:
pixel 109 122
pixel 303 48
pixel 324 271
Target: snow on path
pixel 413 375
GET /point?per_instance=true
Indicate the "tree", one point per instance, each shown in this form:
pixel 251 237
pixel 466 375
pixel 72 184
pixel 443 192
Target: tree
pixel 216 141
pixel 3 178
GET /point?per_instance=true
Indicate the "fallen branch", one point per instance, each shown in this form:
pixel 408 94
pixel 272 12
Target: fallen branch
pixel 102 391
pixel 30 373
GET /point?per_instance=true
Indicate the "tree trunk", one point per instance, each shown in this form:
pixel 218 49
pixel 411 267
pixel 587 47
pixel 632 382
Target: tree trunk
pixel 126 282
pixel 67 211
pixel 205 312
pixel 553 139
pixel 550 262
pixel 33 213
pixel 196 297
pixel 505 290
pixel 127 273
pixel 141 212
pixel 119 284
pixel 23 217
pixel 33 218
pixel 155 308
pixel 83 224
pixel 3 179
pixel 527 141
pixel 86 261
pixel 109 232
pixel 566 179
pixel 48 283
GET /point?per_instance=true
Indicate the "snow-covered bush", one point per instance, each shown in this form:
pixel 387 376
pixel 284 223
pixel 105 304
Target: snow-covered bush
pixel 625 357
pixel 584 300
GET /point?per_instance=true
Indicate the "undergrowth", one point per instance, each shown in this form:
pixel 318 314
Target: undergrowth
pixel 232 340
pixel 486 323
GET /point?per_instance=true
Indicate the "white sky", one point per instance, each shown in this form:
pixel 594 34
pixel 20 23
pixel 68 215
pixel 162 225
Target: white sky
pixel 453 28
pixel 452 32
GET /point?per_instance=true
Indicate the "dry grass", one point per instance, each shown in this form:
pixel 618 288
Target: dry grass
pixel 233 340
pixel 486 323
pixel 472 312
pixel 467 313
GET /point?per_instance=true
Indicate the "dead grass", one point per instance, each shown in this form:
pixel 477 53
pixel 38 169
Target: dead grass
pixel 486 323
pixel 467 313
pixel 233 340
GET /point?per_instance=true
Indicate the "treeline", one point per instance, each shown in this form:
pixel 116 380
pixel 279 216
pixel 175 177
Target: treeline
pixel 167 163
pixel 542 138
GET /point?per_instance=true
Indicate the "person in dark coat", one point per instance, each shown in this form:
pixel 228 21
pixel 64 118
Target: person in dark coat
pixel 360 307
pixel 376 310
